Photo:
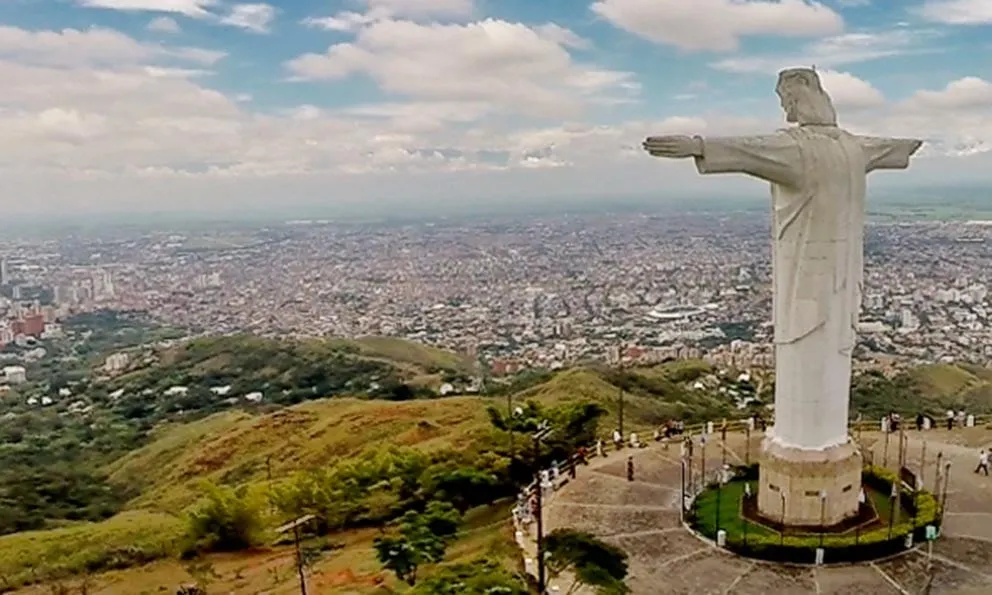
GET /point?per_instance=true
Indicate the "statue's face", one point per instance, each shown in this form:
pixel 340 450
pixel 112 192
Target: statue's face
pixel 789 104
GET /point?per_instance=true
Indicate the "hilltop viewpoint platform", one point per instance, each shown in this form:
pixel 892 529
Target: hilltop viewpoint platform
pixel 809 487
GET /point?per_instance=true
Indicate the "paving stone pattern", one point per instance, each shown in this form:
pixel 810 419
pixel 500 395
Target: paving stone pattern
pixel 665 558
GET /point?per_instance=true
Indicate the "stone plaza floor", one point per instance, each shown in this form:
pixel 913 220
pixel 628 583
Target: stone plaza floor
pixel 642 517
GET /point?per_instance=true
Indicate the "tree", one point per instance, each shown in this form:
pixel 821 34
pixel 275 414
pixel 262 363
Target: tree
pixel 591 561
pixel 226 519
pixel 480 577
pixel 423 538
pixel 463 486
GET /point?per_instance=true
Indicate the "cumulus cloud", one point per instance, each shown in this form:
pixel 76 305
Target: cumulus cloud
pixel 718 24
pixel 252 17
pixel 508 66
pixel 422 8
pixel 957 12
pixel 343 21
pixel 189 8
pixel 163 25
pixel 849 91
pixel 836 50
pixel 967 93
pixel 123 116
pixel 380 10
pixel 91 47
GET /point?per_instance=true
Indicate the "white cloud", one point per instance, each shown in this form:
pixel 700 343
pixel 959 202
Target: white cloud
pixel 95 46
pixel 562 36
pixel 962 94
pixel 343 21
pixel 190 8
pixel 718 24
pixel 834 51
pixel 423 8
pixel 509 66
pixel 252 17
pixel 164 25
pixel 849 91
pixel 95 119
pixel 955 121
pixel 958 12
pixel 381 10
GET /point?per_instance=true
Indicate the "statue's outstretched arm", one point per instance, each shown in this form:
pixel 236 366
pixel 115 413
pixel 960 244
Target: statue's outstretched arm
pixel 774 158
pixel 888 153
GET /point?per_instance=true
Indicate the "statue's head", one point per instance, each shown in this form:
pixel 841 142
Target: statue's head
pixel 803 98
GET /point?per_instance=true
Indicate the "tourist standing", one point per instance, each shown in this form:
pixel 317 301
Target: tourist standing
pixel 630 468
pixel 950 419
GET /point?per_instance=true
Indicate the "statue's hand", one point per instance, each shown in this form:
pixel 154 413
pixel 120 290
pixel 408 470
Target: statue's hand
pixel 673 147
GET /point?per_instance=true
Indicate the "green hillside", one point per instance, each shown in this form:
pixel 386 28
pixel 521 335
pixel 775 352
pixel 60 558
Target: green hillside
pixel 356 414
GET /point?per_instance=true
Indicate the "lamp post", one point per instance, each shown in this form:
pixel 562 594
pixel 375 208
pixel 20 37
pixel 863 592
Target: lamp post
pixel 719 491
pixel 682 502
pixel 747 444
pixel 692 478
pixel 893 505
pixel 747 494
pixel 781 533
pixel 543 430
pixel 885 453
pixel 509 421
pixel 923 463
pixel 943 497
pixel 620 414
pixel 702 456
pixel 939 468
pixel 823 515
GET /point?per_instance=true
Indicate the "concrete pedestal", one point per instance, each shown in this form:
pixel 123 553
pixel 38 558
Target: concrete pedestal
pixel 801 476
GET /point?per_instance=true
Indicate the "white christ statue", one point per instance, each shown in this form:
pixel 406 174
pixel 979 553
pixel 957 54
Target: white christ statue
pixel 817 173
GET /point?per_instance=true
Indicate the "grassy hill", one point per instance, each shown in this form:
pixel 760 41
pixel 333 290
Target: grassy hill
pixel 246 446
pixel 235 447
pixel 300 368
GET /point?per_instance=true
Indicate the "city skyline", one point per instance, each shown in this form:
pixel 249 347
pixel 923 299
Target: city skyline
pixel 195 105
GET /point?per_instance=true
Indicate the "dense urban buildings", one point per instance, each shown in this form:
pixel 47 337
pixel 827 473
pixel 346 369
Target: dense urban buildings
pixel 516 293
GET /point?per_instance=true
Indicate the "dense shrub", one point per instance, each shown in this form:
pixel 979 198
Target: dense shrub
pixel 226 520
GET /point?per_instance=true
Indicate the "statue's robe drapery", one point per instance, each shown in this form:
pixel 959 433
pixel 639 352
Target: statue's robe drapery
pixel 818 176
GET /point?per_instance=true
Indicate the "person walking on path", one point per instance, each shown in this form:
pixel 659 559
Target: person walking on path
pixel 630 468
pixel 983 462
pixel 950 419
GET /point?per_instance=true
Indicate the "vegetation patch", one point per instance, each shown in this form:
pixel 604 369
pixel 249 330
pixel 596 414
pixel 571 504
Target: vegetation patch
pixel 128 539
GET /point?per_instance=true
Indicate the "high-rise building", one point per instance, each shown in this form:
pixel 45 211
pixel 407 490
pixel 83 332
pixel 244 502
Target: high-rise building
pixel 4 271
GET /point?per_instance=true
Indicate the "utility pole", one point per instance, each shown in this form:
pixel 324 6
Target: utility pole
pixel 620 414
pixel 299 560
pixel 543 430
pixel 509 421
pixel 300 563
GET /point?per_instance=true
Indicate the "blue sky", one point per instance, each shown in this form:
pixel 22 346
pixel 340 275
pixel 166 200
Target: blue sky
pixel 219 105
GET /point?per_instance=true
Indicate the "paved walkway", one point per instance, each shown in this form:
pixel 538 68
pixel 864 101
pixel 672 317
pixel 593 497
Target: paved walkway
pixel 642 517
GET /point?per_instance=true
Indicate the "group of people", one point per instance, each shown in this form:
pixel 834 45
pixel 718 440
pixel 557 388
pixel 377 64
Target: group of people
pixel 923 421
pixel 670 429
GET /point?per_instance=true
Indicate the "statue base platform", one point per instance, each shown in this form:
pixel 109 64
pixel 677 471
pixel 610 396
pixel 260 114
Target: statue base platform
pixel 791 482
